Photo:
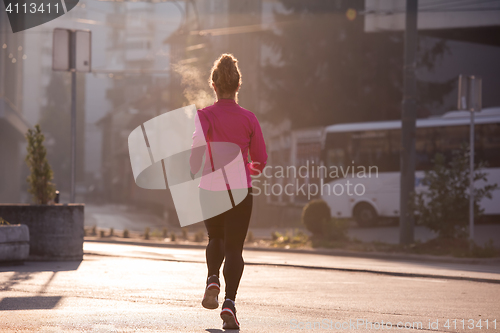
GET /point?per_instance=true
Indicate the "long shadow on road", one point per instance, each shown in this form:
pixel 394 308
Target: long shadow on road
pixel 25 273
pixel 29 303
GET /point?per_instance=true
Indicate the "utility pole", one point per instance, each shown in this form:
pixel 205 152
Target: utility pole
pixel 71 52
pixel 408 120
pixel 469 99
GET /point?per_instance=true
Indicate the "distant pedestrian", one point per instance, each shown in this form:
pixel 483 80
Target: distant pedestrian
pixel 226 121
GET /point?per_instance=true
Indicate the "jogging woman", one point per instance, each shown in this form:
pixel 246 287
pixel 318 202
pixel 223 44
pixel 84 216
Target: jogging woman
pixel 227 122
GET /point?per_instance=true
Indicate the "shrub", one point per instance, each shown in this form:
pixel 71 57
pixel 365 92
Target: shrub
pixel 41 175
pixel 101 233
pixel 146 234
pixel 444 206
pixel 111 232
pixel 126 233
pixel 335 229
pixel 165 233
pixel 486 251
pixel 185 234
pixel 172 237
pixel 315 215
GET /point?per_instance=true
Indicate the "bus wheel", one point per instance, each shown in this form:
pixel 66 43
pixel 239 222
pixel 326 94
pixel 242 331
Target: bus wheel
pixel 365 215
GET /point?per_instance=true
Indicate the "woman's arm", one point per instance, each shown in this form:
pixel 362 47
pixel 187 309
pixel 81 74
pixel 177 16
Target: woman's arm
pixel 199 144
pixel 257 150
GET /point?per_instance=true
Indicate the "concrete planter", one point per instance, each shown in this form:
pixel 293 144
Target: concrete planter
pixel 56 231
pixel 14 242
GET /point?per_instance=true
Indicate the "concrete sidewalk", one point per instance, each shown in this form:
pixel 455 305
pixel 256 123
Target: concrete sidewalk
pixel 487 270
pixel 326 251
pixel 122 217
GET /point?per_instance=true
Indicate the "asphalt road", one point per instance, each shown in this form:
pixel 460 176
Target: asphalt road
pixel 489 271
pixel 128 289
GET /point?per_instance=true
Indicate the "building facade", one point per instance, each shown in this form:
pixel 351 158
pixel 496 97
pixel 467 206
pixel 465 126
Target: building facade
pixel 13 125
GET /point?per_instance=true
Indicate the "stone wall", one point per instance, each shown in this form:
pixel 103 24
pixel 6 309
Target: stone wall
pixel 56 231
pixel 14 242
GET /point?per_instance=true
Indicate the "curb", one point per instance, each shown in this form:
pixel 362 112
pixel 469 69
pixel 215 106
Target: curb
pixel 331 252
pixel 351 270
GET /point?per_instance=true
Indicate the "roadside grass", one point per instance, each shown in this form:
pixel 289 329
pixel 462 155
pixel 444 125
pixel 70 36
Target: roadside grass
pixel 295 239
pixel 459 248
pixel 181 235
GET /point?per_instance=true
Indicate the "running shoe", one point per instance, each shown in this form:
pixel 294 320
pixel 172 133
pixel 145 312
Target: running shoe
pixel 228 315
pixel 210 299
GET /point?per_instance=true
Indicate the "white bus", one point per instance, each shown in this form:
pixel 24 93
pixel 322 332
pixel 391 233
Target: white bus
pixel 377 144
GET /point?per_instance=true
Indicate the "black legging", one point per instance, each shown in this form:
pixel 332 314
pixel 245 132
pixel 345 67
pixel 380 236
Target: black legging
pixel 226 235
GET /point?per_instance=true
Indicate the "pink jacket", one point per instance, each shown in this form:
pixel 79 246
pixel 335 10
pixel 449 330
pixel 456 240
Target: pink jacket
pixel 226 121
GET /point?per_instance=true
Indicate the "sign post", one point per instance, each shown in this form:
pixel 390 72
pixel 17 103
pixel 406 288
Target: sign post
pixel 71 52
pixel 469 99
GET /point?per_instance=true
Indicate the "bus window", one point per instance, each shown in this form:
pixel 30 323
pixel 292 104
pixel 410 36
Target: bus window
pixel 451 138
pixel 425 147
pixel 371 148
pixel 394 157
pixel 336 152
pixel 488 144
pixel 336 157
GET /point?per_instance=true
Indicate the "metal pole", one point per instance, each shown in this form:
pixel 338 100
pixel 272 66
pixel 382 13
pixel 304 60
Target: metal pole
pixel 73 115
pixel 406 218
pixel 469 98
pixel 471 185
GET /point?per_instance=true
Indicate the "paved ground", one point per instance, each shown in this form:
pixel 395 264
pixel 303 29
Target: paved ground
pixel 474 272
pixel 119 288
pixel 122 217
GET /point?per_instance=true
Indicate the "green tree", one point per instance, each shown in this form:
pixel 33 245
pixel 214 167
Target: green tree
pixel 41 175
pixel 444 206
pixel 326 69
